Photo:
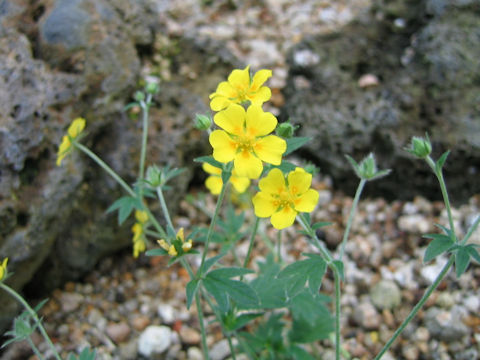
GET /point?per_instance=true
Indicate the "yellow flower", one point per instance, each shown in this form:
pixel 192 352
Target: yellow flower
pixel 138 230
pixel 179 244
pixel 141 216
pixel 281 201
pixel 245 140
pixel 138 247
pixel 3 269
pixel 240 88
pixel 73 131
pixel 214 181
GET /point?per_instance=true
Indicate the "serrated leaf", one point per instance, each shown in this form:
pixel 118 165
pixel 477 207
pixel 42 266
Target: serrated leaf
pixel 295 143
pixel 473 252
pixel 297 274
pixel 354 165
pixel 209 160
pixel 440 244
pixel 340 267
pixel 87 355
pixel 125 205
pixel 40 305
pixel 268 288
pixel 446 230
pixel 191 290
pixel 222 288
pixel 441 160
pixel 462 259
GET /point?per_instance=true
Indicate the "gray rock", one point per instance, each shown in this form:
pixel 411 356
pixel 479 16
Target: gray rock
pixel 386 295
pixel 154 340
pixel 366 316
pixel 446 325
pixel 417 66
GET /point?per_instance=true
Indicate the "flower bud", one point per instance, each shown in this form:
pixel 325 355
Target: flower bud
pixel 202 122
pixel 285 130
pixel 420 147
pixel 152 88
pixel 367 168
pixel 139 96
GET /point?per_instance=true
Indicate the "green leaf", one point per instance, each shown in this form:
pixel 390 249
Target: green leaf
pixel 242 320
pixel 191 289
pixel 462 259
pixel 156 252
pixel 296 275
pixel 87 355
pixel 269 288
pixel 295 143
pixel 320 224
pixel 441 161
pixel 472 229
pixel 221 287
pixel 125 206
pixel 473 252
pixel 440 244
pixel 340 267
pixel 305 304
pixel 130 105
pixel 211 261
pixel 300 354
pixel 209 160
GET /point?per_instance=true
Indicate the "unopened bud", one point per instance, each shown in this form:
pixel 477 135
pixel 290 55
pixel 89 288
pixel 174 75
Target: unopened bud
pixel 152 88
pixel 285 130
pixel 139 96
pixel 420 147
pixel 202 122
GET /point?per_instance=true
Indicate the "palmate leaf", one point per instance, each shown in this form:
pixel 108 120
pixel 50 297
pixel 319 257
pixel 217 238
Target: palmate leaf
pixel 297 274
pixel 295 143
pixel 125 205
pixel 439 245
pixel 209 160
pixel 191 290
pixel 220 285
pixel 462 260
pixel 269 288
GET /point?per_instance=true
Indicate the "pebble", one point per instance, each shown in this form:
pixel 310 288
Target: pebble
pixel 386 295
pixel 118 332
pixel 415 223
pixel 446 325
pixel 154 340
pixel 194 353
pixel 220 350
pixel 167 313
pixel 140 322
pixel 71 301
pixel 367 316
pixel 189 335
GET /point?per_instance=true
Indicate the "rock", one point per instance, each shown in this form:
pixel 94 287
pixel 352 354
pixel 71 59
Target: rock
pixel 167 313
pixel 446 325
pixel 346 116
pixel 194 353
pixel 189 336
pixel 220 350
pixel 366 316
pixel 386 295
pixel 154 340
pixel 71 301
pixel 140 322
pixel 118 332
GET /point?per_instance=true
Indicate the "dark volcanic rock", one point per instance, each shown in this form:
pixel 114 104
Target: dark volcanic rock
pixel 425 70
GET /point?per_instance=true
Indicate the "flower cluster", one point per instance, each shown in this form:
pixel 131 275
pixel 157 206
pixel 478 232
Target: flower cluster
pixel 178 246
pixel 73 132
pixel 3 269
pixel 244 137
pixel 138 230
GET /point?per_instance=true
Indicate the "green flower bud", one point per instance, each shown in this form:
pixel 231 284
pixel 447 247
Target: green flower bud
pixel 152 88
pixel 311 169
pixel 285 130
pixel 139 96
pixel 420 147
pixel 202 122
pixel 367 168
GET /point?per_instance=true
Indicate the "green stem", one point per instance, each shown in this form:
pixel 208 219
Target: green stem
pixel 417 307
pixel 351 216
pixel 33 314
pixel 438 173
pixel 105 167
pixel 232 349
pixel 211 228
pixel 145 105
pixel 163 204
pixel 279 246
pixel 252 241
pixel 34 348
pixel 318 244
pixel 337 316
pixel 202 327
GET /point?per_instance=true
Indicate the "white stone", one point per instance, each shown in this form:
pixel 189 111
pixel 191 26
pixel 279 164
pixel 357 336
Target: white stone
pixel 194 353
pixel 154 340
pixel 167 313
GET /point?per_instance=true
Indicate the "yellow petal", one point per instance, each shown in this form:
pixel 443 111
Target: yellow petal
pixel 247 164
pixel 225 89
pixel 141 216
pixel 307 201
pixel 299 181
pixel 240 79
pixel 283 218
pixel 270 149
pixel 137 230
pixel 163 244
pixel 187 245
pixel 232 119
pixel 211 169
pixel 258 122
pixel 76 127
pixel 63 149
pixel 180 235
pixel 219 103
pixel 264 204
pixel 214 184
pixel 224 148
pixel 3 269
pixel 172 251
pixel 259 78
pixel 260 96
pixel 138 247
pixel 273 183
pixel 240 183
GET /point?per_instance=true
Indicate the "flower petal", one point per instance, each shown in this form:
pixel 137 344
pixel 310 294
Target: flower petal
pixel 219 103
pixel 299 181
pixel 210 169
pixel 260 96
pixel 270 149
pixel 283 218
pixel 273 183
pixel 259 78
pixel 307 201
pixel 240 79
pixel 224 148
pixel 76 127
pixel 224 89
pixel 258 122
pixel 264 204
pixel 214 184
pixel 231 119
pixel 240 183
pixel 247 164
